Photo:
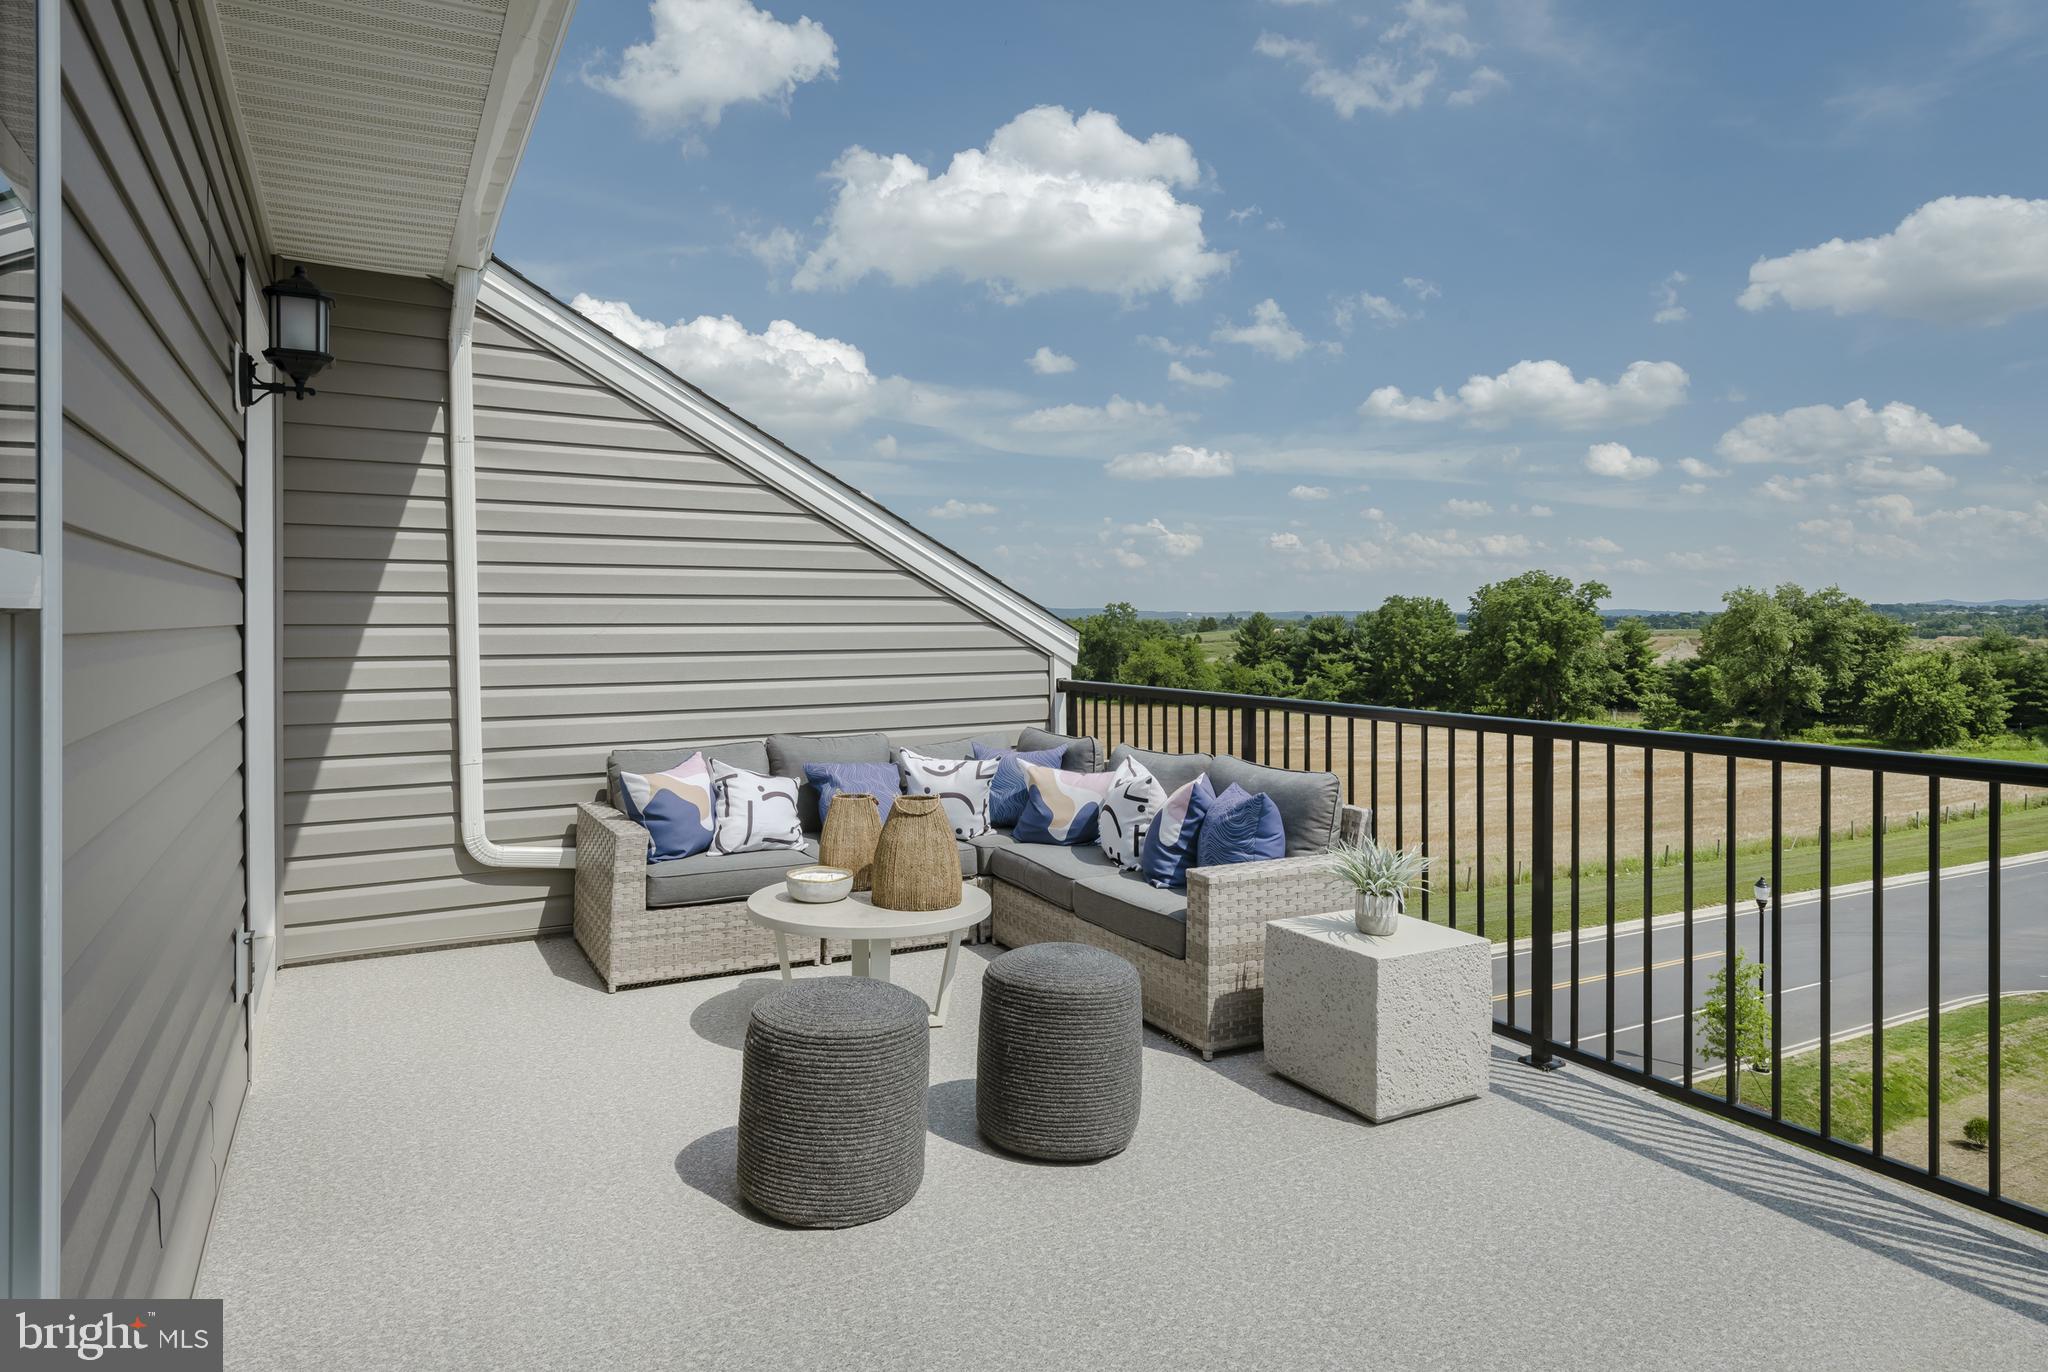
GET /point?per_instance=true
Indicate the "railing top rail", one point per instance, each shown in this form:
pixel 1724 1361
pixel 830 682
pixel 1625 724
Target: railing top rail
pixel 2030 774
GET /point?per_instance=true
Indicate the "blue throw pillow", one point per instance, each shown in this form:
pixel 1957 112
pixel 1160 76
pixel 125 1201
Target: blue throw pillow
pixel 675 807
pixel 1242 826
pixel 1170 842
pixel 879 779
pixel 1006 792
pixel 1062 807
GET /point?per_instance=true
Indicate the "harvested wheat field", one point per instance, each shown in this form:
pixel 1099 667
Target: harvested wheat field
pixel 1462 786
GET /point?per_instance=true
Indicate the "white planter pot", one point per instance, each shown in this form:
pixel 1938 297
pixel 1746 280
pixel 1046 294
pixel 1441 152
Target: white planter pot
pixel 1379 915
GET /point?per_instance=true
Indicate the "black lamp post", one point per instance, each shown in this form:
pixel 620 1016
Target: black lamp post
pixel 1763 898
pixel 300 314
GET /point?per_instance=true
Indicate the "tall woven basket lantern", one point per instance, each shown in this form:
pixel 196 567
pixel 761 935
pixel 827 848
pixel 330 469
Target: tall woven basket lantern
pixel 917 865
pixel 853 825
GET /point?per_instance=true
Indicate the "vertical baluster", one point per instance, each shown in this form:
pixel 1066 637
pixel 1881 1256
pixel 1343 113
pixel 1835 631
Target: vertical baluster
pixel 1575 896
pixel 1686 1048
pixel 1542 864
pixel 1877 964
pixel 1400 757
pixel 1451 816
pixel 1649 906
pixel 1992 895
pixel 1777 940
pixel 1732 1089
pixel 1329 758
pixel 1286 738
pixel 1479 830
pixel 1510 827
pixel 1827 952
pixel 1375 749
pixel 1610 902
pixel 1425 814
pixel 1933 976
pixel 1351 760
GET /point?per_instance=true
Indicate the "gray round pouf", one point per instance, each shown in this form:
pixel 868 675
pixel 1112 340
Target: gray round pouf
pixel 832 1101
pixel 1061 1052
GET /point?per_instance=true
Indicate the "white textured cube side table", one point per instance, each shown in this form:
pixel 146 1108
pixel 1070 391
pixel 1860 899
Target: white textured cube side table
pixel 1383 1026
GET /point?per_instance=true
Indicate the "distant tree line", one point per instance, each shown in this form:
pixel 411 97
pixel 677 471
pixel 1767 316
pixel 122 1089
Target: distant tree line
pixel 1779 663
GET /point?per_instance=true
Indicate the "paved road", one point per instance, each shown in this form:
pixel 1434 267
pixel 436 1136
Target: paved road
pixel 1964 963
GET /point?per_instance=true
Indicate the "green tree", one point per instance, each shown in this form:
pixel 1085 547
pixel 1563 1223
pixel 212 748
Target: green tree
pixel 1532 647
pixel 1752 1016
pixel 1921 701
pixel 1106 640
pixel 1256 640
pixel 1169 660
pixel 1633 660
pixel 1206 625
pixel 1266 679
pixel 1757 646
pixel 1325 644
pixel 1849 643
pixel 1412 655
pixel 2022 672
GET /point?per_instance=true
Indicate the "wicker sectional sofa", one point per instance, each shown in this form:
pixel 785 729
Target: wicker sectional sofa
pixel 1199 952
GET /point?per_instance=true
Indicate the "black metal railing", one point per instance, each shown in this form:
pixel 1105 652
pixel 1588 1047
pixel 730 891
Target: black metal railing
pixel 1781 816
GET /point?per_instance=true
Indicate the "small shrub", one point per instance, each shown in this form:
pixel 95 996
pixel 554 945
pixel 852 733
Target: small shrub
pixel 1977 1132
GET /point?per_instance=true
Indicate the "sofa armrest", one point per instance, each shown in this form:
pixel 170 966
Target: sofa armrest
pixel 1229 907
pixel 611 857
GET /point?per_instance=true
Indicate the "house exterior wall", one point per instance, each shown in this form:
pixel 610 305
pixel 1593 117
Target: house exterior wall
pixel 635 589
pixel 154 1044
pixel 18 402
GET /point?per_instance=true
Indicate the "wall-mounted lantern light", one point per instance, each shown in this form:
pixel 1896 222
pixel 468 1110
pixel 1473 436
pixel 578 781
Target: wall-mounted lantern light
pixel 300 313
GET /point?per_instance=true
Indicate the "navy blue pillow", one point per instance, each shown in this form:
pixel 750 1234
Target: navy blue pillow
pixel 879 779
pixel 1240 827
pixel 1006 794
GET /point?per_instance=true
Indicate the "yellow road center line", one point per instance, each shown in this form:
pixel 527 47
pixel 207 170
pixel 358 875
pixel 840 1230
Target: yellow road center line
pixel 1624 972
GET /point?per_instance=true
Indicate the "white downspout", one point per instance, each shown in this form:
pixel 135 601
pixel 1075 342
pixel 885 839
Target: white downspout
pixel 469 695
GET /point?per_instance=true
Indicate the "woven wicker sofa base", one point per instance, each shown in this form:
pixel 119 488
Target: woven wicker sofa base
pixel 1177 995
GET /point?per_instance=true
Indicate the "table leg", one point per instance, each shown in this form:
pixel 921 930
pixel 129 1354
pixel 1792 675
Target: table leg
pixel 878 959
pixel 782 952
pixel 858 966
pixel 938 1015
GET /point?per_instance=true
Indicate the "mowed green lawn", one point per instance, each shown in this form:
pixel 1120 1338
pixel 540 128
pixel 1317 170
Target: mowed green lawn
pixel 1963 840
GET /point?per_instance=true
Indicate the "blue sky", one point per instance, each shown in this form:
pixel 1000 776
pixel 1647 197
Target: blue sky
pixel 1330 301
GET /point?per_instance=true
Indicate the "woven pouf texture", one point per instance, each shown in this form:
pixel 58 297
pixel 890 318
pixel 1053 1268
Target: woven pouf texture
pixel 832 1101
pixel 1061 1052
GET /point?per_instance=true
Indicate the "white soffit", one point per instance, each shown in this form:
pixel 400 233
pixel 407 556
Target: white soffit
pixel 385 136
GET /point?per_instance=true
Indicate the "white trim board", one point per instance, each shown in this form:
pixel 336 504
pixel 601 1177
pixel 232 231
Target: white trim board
pixel 532 311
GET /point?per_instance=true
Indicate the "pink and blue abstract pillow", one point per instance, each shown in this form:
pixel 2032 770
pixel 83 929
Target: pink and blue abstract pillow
pixel 879 779
pixel 1241 826
pixel 1170 843
pixel 675 807
pixel 1006 792
pixel 1061 807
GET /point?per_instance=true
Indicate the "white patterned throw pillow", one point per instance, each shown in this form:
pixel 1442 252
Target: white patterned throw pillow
pixel 961 784
pixel 754 813
pixel 1133 801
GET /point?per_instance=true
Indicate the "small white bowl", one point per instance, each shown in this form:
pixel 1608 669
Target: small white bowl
pixel 818 885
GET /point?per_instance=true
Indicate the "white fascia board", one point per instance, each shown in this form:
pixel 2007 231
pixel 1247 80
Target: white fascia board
pixel 532 311
pixel 532 41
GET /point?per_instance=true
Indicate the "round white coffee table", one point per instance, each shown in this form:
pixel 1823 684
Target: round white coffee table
pixel 869 928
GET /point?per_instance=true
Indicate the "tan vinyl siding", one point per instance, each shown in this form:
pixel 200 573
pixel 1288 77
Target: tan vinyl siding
pixel 636 589
pixel 154 1044
pixel 17 403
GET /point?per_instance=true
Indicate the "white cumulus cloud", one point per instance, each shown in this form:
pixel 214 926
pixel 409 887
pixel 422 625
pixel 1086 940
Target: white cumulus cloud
pixel 1467 509
pixel 1962 259
pixel 1543 392
pixel 1181 374
pixel 1268 332
pixel 705 56
pixel 783 376
pixel 1116 413
pixel 1046 362
pixel 1172 542
pixel 1180 460
pixel 1615 460
pixel 1053 202
pixel 1309 493
pixel 960 509
pixel 1819 433
pixel 1669 311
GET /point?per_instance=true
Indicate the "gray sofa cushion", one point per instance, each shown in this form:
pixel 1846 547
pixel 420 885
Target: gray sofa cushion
pixel 1308 801
pixel 751 755
pixel 970 860
pixel 709 877
pixel 1174 770
pixel 951 748
pixel 1048 870
pixel 1081 754
pixel 787 754
pixel 1126 905
pixel 986 846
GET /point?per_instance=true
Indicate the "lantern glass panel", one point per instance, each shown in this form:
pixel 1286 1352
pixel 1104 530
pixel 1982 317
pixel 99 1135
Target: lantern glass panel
pixel 298 325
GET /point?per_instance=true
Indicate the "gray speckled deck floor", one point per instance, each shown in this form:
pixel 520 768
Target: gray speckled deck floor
pixel 477 1158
